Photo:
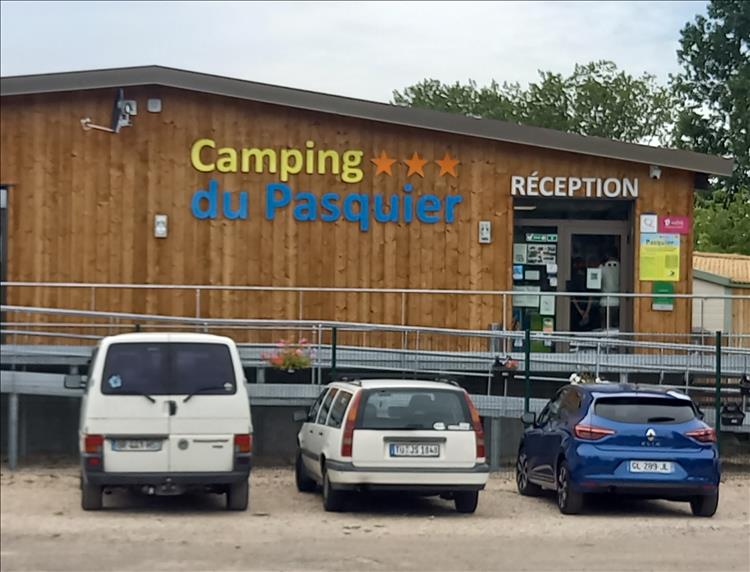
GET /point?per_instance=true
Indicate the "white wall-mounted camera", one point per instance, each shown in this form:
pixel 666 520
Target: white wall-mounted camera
pixel 654 172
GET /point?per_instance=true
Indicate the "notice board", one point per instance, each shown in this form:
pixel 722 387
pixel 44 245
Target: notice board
pixel 660 257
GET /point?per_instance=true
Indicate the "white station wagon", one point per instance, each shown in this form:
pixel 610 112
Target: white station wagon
pixel 404 435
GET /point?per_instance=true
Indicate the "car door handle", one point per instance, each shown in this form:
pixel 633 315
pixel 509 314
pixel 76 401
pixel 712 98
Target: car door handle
pixel 320 433
pixel 172 407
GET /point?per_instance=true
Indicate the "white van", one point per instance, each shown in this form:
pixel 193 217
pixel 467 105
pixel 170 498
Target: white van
pixel 163 413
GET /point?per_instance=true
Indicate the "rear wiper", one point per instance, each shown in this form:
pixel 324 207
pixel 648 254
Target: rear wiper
pixel 202 389
pixel 146 395
pixel 659 419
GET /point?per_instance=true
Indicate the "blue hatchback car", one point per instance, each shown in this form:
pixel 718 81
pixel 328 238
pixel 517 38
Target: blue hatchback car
pixel 622 439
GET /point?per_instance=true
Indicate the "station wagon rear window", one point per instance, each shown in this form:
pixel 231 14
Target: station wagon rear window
pixel 644 409
pixel 417 409
pixel 168 369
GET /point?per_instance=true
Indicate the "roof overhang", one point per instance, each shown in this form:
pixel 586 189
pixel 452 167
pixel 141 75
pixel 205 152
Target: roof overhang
pixel 454 124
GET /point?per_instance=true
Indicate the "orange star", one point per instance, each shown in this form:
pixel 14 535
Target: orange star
pixel 416 165
pixel 383 163
pixel 448 165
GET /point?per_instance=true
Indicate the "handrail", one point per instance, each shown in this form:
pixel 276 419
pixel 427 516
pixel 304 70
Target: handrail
pixel 356 290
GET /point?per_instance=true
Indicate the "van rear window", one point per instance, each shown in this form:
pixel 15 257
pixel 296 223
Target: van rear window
pixel 414 409
pixel 168 369
pixel 644 409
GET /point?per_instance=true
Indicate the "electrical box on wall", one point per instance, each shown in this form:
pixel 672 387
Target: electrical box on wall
pixel 160 226
pixel 485 232
pixel 153 105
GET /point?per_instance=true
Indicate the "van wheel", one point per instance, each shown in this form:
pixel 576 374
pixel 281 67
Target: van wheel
pixel 568 500
pixel 525 487
pixel 304 483
pixel 237 496
pixel 705 505
pixel 91 497
pixel 466 501
pixel 333 501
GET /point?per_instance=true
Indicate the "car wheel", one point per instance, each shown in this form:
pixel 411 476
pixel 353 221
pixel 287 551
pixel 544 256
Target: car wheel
pixel 91 497
pixel 705 505
pixel 568 500
pixel 237 496
pixel 333 501
pixel 525 487
pixel 466 501
pixel 304 483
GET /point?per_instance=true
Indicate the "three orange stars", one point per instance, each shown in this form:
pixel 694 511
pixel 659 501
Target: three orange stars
pixel 384 164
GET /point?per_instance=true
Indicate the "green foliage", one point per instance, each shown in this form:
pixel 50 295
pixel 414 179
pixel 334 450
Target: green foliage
pixel 713 88
pixel 596 99
pixel 722 222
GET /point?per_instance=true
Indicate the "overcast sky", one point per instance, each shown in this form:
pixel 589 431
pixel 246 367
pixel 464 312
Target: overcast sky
pixel 359 49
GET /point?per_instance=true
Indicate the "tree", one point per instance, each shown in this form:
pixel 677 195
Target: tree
pixel 713 88
pixel 722 223
pixel 596 99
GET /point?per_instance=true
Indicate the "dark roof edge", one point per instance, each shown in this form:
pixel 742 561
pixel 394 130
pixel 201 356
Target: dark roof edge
pixel 381 112
pixel 718 279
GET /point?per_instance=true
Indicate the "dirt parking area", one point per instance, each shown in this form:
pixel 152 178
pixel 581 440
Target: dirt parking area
pixel 43 528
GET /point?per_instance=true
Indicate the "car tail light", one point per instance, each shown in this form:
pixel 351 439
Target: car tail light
pixel 347 442
pixel 476 423
pixel 591 433
pixel 243 443
pixel 92 444
pixel 704 435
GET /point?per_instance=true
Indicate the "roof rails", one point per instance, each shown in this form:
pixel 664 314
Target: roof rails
pixel 356 378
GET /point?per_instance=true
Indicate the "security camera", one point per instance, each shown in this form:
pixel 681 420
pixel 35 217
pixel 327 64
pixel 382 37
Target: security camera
pixel 654 172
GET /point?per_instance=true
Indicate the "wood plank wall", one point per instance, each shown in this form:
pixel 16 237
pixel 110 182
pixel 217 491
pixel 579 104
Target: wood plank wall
pixel 83 205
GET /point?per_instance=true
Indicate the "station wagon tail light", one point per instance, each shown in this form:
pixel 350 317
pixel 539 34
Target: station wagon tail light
pixel 92 444
pixel 591 433
pixel 243 443
pixel 476 423
pixel 704 435
pixel 351 418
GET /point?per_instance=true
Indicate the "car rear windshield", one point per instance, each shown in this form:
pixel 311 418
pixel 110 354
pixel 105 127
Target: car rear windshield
pixel 168 368
pixel 644 409
pixel 414 409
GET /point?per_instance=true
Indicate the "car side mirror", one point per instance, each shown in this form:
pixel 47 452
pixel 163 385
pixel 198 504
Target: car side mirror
pixel 528 419
pixel 300 415
pixel 75 381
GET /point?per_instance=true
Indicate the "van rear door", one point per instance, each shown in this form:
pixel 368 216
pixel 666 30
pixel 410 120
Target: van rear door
pixel 211 407
pixel 132 411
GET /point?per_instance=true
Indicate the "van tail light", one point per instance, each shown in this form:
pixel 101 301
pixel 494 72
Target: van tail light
pixel 243 443
pixel 347 443
pixel 93 444
pixel 704 435
pixel 476 423
pixel 591 433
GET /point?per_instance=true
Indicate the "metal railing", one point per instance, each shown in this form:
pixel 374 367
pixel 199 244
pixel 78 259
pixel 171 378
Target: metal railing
pixel 611 311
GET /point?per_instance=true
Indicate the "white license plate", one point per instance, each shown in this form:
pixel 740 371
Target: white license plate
pixel 136 445
pixel 414 450
pixel 651 467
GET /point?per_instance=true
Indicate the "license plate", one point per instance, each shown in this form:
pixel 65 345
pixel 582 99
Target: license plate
pixel 651 467
pixel 136 445
pixel 414 450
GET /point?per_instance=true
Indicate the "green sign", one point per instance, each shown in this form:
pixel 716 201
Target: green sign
pixel 665 302
pixel 540 237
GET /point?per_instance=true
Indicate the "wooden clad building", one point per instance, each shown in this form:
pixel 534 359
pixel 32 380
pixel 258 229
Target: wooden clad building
pixel 160 176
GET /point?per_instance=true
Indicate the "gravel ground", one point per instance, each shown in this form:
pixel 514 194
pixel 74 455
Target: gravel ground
pixel 43 528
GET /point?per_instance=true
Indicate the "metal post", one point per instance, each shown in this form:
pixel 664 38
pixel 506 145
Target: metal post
pixel 717 404
pixel 13 431
pixel 527 367
pixel 333 353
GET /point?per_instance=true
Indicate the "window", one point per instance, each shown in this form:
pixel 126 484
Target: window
pixel 570 402
pixel 164 368
pixel 323 414
pixel 644 410
pixel 414 409
pixel 313 414
pixel 339 409
pixel 551 411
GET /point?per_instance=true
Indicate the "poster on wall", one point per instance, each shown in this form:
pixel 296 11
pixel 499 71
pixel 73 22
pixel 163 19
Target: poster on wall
pixel 541 253
pixel 649 223
pixel 519 253
pixel 525 300
pixel 660 257
pixel 674 224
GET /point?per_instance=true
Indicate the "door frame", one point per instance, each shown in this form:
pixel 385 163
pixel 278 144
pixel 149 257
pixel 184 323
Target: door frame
pixel 566 228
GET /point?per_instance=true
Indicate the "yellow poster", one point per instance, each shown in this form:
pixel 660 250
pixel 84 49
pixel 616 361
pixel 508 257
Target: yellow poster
pixel 660 257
